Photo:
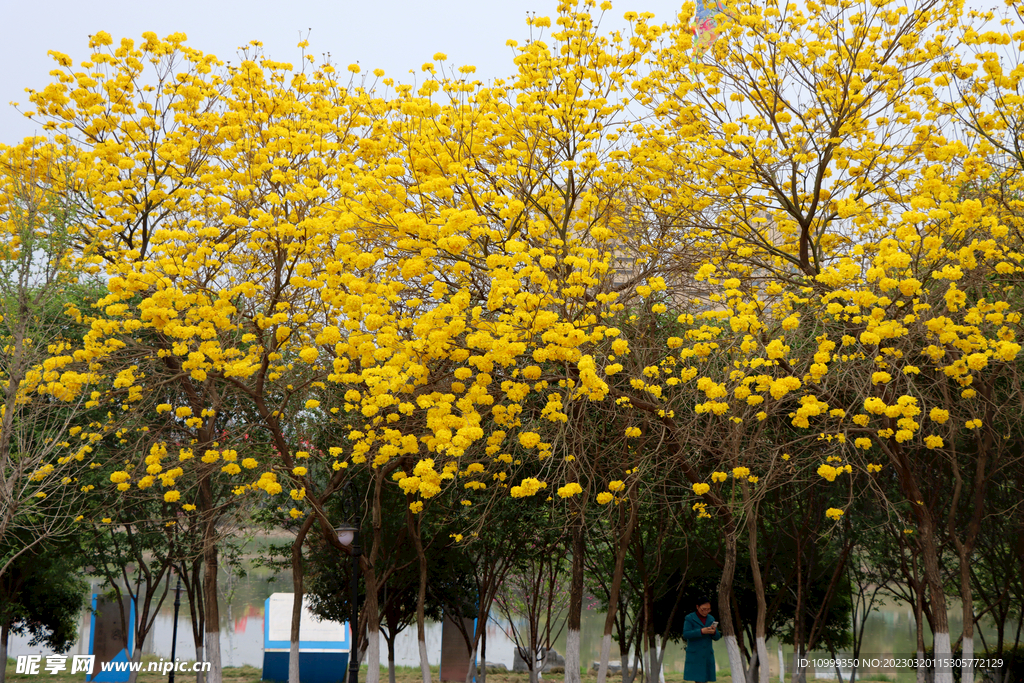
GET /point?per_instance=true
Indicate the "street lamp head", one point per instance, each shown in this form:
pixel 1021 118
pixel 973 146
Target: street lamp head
pixel 346 534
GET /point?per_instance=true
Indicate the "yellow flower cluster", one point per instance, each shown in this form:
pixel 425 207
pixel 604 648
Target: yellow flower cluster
pixel 527 487
pixel 569 490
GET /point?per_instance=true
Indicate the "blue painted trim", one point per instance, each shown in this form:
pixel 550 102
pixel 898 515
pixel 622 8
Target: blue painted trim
pixel 92 626
pixel 473 663
pixel 266 622
pixel 336 645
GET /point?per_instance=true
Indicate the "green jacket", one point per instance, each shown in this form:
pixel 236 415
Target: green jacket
pixel 700 658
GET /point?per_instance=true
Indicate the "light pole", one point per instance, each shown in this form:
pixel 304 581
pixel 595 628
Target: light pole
pixel 348 536
pixel 174 630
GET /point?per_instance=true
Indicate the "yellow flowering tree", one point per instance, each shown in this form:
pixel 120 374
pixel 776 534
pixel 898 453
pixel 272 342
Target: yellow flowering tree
pixel 41 383
pixel 214 220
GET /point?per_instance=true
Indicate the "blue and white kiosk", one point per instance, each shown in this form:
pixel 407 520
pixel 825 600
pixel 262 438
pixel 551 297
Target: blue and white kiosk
pixel 107 641
pixel 323 645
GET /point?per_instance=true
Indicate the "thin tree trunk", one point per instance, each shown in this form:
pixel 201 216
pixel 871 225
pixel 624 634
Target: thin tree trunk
pixel 572 638
pixel 5 634
pixel 922 671
pixel 799 637
pixel 197 612
pixel 372 627
pixel 298 592
pixel 762 604
pixel 371 604
pixel 753 668
pixel 800 665
pixel 483 654
pixel 412 522
pixel 613 594
pixel 391 657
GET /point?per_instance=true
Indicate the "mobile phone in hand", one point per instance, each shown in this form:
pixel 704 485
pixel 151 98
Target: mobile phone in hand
pixel 714 625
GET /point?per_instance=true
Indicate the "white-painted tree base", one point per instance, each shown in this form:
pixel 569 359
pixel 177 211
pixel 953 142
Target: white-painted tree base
pixel 606 650
pixel 200 675
pixel 967 672
pixel 572 656
pixel 762 658
pixel 136 657
pixel 293 662
pixel 942 652
pixel 424 663
pixel 372 657
pixel 213 657
pixel 735 658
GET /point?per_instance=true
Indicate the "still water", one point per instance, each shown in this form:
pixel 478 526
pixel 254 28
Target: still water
pixel 890 631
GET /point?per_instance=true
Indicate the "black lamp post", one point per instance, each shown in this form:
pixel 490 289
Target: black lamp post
pixel 348 536
pixel 174 630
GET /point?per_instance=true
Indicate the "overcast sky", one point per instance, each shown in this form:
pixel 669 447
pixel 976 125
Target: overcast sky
pixel 394 35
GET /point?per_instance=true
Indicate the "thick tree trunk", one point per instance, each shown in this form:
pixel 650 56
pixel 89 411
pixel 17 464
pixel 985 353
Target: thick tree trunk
pixel 210 602
pixel 967 642
pixel 373 655
pixel 606 649
pixel 762 660
pixel 725 605
pixel 941 650
pixel 572 656
pixel 655 660
pixel 133 676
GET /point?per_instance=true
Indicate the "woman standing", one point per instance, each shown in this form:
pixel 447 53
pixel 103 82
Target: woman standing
pixel 699 630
